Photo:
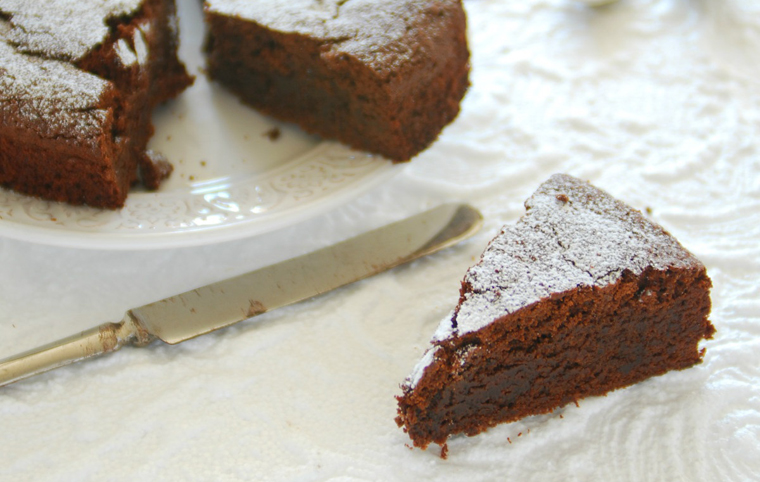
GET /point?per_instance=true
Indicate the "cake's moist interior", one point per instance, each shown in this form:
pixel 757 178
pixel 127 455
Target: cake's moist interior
pixel 145 83
pixel 585 342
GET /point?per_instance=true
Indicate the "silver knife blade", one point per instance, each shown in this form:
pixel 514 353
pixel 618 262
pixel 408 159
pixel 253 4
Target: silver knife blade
pixel 221 304
pixel 209 308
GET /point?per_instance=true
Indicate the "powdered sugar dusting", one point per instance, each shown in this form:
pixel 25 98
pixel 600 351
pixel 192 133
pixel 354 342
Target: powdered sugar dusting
pixel 141 43
pixel 367 29
pixel 419 369
pixel 138 54
pixel 38 42
pixel 62 29
pixel 573 235
pixel 296 16
pixel 125 53
pixel 32 88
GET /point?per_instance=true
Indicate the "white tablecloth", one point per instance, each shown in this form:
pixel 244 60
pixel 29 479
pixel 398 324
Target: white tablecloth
pixel 655 101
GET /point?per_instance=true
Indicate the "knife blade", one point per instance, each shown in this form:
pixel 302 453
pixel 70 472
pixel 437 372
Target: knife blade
pixel 218 305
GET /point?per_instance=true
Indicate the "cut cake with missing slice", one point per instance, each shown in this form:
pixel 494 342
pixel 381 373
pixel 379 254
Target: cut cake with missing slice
pixel 582 296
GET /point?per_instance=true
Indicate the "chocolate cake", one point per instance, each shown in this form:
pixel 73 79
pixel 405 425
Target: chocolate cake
pixel 582 296
pixel 78 82
pixel 381 76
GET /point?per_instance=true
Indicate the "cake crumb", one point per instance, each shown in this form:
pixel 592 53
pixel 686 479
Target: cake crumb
pixel 273 134
pixel 444 451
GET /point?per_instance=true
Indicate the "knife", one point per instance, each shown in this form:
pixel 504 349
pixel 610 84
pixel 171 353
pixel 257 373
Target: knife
pixel 203 310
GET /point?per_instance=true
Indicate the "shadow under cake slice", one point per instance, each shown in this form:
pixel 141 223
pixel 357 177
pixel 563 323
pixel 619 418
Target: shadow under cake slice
pixel 582 296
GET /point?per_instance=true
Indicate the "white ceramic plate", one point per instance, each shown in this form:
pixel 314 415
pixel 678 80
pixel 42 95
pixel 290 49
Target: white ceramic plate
pixel 236 174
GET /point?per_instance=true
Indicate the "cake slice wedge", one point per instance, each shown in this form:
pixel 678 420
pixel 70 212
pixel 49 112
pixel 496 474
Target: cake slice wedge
pixel 582 296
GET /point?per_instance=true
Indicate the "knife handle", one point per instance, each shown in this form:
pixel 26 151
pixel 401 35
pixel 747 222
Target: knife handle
pixel 102 339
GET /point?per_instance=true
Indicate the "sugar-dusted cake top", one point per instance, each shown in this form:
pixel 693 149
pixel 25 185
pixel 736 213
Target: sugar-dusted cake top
pixel 62 29
pixel 573 235
pixel 34 88
pixel 39 42
pixel 367 29
pixel 301 16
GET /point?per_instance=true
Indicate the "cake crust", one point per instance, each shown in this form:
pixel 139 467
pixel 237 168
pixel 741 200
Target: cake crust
pixel 582 296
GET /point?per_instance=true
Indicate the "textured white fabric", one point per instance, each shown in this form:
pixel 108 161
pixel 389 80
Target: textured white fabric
pixel 655 101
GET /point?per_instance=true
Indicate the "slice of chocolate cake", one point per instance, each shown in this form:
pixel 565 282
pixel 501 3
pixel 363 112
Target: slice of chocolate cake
pixel 381 76
pixel 582 296
pixel 78 82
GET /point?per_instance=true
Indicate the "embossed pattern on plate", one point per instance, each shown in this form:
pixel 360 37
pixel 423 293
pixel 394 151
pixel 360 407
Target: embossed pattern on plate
pixel 203 212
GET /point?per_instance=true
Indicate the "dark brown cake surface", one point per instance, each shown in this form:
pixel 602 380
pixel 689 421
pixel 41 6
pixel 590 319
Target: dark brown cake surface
pixel 385 77
pixel 582 296
pixel 78 82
